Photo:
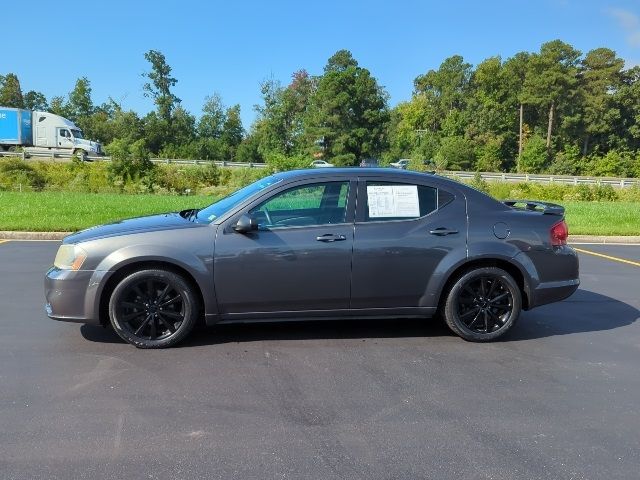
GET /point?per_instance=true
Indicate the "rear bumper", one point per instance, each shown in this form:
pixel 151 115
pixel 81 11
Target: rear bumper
pixel 550 292
pixel 72 296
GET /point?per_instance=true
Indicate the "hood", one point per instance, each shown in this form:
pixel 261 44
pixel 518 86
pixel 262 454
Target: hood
pixel 151 223
pixel 84 141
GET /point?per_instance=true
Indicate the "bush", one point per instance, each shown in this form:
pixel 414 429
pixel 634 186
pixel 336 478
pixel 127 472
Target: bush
pixel 534 155
pixel 129 160
pixel 455 153
pixel 279 162
pixel 566 162
pixel 18 174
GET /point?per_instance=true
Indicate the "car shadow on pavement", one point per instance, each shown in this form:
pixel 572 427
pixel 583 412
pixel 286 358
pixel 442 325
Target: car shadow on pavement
pixel 585 311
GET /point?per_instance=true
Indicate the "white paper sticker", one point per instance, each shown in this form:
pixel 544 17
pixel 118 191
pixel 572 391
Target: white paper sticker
pixel 393 201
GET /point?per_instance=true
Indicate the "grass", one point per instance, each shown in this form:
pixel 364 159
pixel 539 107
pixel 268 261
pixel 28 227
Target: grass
pixel 64 211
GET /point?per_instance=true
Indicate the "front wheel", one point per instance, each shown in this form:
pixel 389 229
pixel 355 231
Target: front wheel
pixel 483 304
pixel 153 308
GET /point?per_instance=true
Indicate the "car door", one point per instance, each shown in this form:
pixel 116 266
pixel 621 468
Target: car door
pixel 405 232
pixel 300 257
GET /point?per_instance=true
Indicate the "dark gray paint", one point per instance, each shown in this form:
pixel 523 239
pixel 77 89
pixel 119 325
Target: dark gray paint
pixel 381 268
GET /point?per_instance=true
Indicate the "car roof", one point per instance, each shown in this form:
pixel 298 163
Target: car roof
pixel 393 174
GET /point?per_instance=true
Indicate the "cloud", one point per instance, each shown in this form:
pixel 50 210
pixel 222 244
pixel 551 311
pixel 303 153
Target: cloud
pixel 629 22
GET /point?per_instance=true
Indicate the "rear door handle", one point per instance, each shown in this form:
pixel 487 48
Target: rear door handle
pixel 330 237
pixel 442 231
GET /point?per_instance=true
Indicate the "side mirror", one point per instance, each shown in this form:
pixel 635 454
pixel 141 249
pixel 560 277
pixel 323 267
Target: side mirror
pixel 245 224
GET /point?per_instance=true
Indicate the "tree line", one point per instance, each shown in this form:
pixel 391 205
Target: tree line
pixel 556 110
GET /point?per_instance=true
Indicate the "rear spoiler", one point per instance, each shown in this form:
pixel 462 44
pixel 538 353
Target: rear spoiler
pixel 536 206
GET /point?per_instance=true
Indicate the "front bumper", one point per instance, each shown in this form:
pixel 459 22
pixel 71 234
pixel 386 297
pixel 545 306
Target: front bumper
pixel 73 296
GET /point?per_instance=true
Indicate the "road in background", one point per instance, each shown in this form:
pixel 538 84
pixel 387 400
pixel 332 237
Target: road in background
pixel 557 398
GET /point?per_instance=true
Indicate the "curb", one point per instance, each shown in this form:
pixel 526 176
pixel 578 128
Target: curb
pixel 618 239
pixel 33 235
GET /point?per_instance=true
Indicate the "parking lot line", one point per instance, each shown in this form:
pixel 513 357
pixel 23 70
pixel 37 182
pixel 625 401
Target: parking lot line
pixel 608 257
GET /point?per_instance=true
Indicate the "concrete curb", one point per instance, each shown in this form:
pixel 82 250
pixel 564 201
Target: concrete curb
pixel 604 239
pixel 572 238
pixel 33 235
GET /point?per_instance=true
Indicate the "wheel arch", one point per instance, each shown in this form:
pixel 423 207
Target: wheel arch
pixel 508 265
pixel 123 270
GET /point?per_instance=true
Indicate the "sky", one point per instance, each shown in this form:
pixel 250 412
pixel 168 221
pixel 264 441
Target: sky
pixel 231 47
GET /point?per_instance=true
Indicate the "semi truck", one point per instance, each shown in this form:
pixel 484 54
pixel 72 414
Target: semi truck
pixel 35 131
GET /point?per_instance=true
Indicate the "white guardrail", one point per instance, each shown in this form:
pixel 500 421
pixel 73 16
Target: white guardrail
pixel 489 176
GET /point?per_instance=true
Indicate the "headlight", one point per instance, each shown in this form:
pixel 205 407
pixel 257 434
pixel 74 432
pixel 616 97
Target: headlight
pixel 70 257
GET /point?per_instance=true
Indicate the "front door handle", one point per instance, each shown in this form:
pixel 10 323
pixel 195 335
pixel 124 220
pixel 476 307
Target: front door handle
pixel 442 231
pixel 331 237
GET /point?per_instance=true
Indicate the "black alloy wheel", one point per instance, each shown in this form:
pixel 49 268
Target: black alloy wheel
pixel 153 308
pixel 483 304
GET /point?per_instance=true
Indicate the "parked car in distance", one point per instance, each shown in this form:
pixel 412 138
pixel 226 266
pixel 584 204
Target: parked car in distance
pixel 403 163
pixel 321 164
pixel 305 244
pixel 369 163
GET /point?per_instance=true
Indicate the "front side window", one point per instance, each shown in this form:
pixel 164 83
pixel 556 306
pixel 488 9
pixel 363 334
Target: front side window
pixel 399 201
pixel 64 133
pixel 305 205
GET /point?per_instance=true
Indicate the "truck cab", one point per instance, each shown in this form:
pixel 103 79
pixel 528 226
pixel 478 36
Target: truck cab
pixel 56 132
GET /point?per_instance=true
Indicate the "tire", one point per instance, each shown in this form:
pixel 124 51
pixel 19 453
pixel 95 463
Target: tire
pixel 153 308
pixel 483 304
pixel 81 154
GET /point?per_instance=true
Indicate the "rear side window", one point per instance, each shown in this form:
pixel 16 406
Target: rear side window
pixel 399 201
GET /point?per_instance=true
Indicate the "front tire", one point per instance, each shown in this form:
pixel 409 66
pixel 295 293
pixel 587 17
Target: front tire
pixel 483 304
pixel 153 308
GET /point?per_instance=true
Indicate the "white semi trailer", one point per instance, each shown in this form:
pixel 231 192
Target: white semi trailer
pixel 38 131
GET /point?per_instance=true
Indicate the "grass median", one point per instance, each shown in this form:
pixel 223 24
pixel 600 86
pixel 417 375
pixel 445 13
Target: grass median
pixel 65 211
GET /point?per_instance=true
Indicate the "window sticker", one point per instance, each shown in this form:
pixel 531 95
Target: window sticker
pixel 393 201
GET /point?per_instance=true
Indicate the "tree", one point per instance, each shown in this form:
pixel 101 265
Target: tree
pixel 552 79
pixel 80 105
pixel 160 84
pixel 601 77
pixel 280 126
pixel 232 131
pixel 35 101
pixel 212 120
pixel 10 92
pixel 348 112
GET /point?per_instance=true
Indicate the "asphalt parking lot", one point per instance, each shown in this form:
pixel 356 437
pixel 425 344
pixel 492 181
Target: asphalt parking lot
pixel 558 398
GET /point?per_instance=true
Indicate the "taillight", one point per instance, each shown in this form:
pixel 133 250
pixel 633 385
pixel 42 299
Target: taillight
pixel 559 233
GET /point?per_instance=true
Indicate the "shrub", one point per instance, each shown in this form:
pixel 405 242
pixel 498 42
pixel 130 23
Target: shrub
pixel 455 153
pixel 534 155
pixel 18 174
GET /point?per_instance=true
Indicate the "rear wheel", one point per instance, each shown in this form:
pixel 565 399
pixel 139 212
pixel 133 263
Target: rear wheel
pixel 483 304
pixel 153 308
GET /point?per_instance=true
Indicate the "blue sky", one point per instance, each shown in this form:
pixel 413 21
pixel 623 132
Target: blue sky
pixel 230 47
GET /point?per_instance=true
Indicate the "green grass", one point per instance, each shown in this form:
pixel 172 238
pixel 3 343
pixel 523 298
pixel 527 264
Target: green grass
pixel 64 211
pixel 603 218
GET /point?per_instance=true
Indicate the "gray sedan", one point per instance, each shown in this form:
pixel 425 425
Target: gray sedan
pixel 309 244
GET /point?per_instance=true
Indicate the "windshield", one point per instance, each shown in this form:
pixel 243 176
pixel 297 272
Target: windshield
pixel 213 211
pixel 77 133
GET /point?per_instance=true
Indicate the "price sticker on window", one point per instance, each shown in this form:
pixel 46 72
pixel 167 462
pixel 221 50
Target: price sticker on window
pixel 393 201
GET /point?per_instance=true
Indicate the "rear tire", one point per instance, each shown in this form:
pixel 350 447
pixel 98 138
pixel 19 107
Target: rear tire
pixel 153 308
pixel 483 304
